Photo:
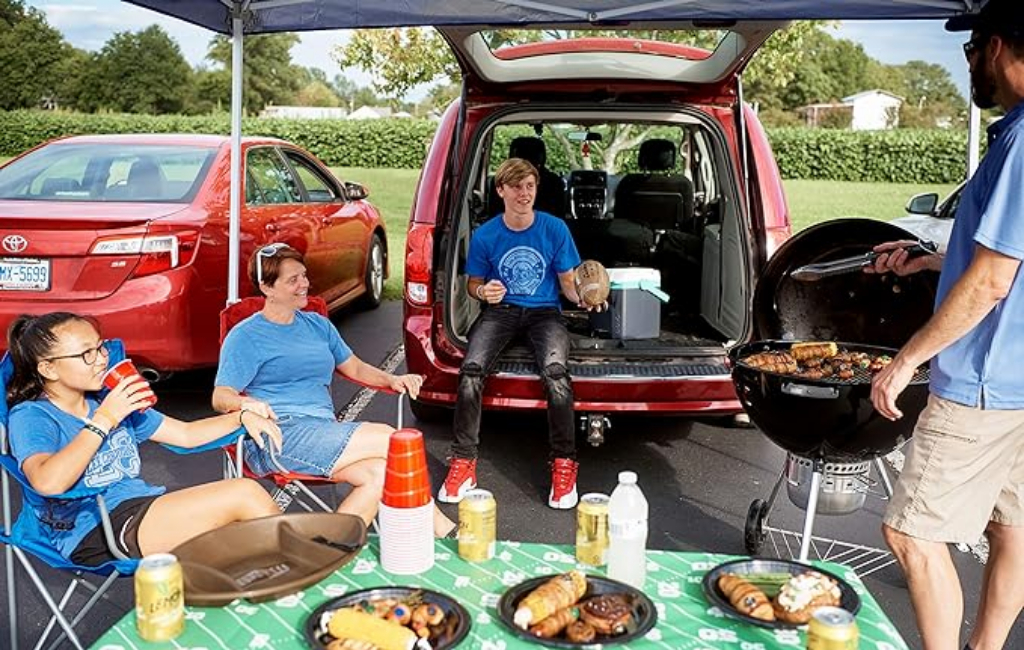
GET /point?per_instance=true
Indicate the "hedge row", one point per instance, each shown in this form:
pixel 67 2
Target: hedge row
pixel 901 156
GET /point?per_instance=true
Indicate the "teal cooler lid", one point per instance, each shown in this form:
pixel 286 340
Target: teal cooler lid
pixel 649 286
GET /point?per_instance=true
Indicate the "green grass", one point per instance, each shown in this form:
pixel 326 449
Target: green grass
pixel 811 202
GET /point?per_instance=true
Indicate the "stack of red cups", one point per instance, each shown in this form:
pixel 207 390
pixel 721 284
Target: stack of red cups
pixel 407 507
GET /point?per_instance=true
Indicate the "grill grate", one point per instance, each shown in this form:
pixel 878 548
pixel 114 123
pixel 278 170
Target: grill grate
pixel 860 376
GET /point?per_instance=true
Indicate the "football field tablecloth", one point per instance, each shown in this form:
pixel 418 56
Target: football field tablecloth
pixel 686 621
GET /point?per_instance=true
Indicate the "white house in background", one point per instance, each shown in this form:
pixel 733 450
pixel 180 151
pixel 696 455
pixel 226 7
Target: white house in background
pixel 370 113
pixel 871 110
pixel 305 112
pixel 874 110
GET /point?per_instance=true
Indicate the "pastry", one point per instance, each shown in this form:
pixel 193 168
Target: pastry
pixel 557 593
pixel 804 593
pixel 805 351
pixel 580 632
pixel 609 614
pixel 746 598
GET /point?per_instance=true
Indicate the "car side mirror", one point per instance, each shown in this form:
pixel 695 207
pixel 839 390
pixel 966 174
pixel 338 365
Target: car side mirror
pixel 923 203
pixel 356 191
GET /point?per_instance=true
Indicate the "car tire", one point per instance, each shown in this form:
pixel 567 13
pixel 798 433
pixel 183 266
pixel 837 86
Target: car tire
pixel 373 279
pixel 430 412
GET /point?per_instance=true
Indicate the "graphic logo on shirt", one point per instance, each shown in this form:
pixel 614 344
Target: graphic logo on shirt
pixel 117 459
pixel 522 270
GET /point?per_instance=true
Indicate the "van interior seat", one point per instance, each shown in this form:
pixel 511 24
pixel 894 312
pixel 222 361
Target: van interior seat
pixel 550 186
pixel 662 201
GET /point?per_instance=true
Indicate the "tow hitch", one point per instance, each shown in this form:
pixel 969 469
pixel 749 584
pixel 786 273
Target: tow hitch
pixel 595 425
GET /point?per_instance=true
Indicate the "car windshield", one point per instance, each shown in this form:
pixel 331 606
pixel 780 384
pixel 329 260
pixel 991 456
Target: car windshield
pixel 107 172
pixel 690 44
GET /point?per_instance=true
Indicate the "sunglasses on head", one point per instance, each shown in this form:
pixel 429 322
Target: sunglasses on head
pixel 267 251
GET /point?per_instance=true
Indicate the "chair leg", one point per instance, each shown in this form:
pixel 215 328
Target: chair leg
pixel 41 588
pixel 311 496
pixel 60 606
pixel 98 593
pixel 12 592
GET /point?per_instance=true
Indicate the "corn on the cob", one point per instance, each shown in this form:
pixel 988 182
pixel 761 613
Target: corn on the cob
pixel 349 623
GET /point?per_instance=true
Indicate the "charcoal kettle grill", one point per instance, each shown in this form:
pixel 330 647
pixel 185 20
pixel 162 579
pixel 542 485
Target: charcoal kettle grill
pixel 831 433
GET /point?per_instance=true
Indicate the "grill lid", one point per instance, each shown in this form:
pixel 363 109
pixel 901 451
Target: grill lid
pixel 881 310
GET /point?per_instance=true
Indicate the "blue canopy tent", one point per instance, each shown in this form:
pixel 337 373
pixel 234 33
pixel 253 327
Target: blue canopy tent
pixel 239 17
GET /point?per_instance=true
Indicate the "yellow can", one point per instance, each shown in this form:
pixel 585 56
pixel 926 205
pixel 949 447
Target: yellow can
pixel 159 598
pixel 832 628
pixel 592 529
pixel 478 526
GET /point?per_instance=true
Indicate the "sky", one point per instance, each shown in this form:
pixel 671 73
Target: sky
pixel 88 24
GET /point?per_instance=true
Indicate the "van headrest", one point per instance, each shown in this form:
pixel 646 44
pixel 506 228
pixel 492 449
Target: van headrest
pixel 657 155
pixel 530 149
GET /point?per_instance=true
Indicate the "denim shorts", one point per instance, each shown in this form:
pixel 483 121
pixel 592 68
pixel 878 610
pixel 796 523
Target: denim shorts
pixel 311 445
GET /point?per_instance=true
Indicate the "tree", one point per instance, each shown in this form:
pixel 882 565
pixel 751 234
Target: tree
pixel 827 69
pixel 930 83
pixel 32 54
pixel 140 72
pixel 268 75
pixel 316 93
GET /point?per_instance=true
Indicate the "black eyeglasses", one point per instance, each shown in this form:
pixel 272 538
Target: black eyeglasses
pixel 268 251
pixel 89 356
pixel 975 45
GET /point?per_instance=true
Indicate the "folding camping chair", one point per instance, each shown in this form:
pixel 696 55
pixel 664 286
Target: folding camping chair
pixel 288 486
pixel 27 536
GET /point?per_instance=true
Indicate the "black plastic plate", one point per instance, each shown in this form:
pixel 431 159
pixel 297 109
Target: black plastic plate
pixel 318 641
pixel 644 614
pixel 848 598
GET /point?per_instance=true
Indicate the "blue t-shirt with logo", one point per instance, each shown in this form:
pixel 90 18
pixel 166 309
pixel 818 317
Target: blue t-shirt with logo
pixel 287 366
pixel 527 261
pixel 982 368
pixel 39 427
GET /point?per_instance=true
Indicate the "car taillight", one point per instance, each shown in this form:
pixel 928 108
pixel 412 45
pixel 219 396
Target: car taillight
pixel 419 251
pixel 157 253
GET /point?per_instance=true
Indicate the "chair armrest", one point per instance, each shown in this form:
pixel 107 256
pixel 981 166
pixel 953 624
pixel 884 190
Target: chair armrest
pixel 223 441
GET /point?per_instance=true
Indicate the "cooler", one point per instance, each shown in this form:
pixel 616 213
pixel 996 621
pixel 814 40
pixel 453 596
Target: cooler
pixel 634 305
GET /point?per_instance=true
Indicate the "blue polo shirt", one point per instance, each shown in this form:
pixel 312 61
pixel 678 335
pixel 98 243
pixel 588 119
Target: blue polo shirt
pixel 983 368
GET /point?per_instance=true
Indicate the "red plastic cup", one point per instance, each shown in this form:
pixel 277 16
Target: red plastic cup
pixel 126 370
pixel 406 479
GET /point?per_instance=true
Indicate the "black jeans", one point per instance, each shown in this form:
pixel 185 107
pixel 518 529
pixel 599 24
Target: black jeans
pixel 545 332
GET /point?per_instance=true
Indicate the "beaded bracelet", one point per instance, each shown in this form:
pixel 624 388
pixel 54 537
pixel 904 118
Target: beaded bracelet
pixel 90 426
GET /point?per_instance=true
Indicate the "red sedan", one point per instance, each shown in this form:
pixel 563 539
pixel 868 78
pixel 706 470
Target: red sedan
pixel 133 230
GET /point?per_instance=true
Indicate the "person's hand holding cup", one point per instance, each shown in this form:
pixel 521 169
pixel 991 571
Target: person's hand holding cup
pixel 125 379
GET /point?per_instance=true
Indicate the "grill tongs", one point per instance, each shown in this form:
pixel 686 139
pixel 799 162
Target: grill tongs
pixel 817 271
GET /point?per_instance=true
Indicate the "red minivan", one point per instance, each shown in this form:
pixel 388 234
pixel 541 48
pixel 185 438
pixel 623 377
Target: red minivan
pixel 647 151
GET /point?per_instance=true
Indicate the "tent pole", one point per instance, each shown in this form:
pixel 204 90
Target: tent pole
pixel 973 137
pixel 234 221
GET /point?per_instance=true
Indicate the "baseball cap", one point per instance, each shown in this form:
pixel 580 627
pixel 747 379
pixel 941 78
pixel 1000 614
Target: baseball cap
pixel 996 17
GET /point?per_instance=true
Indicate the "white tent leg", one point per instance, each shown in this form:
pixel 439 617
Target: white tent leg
pixel 973 138
pixel 234 221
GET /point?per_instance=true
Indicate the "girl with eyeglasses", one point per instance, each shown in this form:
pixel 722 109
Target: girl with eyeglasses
pixel 279 363
pixel 65 434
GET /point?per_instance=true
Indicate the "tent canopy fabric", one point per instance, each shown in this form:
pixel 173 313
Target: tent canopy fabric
pixel 265 16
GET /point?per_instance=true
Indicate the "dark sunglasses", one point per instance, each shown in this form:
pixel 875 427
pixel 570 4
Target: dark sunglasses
pixel 267 251
pixel 88 357
pixel 975 45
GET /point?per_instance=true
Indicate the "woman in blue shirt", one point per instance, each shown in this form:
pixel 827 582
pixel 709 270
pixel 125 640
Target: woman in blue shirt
pixel 279 363
pixel 64 437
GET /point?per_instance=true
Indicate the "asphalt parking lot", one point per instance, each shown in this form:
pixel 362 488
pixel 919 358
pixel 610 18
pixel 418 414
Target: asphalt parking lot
pixel 699 478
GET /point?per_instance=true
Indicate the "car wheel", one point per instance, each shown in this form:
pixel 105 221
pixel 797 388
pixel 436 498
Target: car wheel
pixel 374 280
pixel 430 412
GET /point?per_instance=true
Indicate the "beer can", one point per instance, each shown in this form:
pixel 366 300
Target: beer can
pixel 159 598
pixel 832 628
pixel 592 529
pixel 478 526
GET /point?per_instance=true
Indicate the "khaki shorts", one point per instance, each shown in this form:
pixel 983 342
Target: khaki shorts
pixel 964 468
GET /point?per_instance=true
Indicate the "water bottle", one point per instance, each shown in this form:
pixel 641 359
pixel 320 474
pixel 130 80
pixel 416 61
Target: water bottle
pixel 627 532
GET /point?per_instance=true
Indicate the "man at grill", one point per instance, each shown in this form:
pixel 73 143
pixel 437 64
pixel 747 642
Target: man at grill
pixel 964 473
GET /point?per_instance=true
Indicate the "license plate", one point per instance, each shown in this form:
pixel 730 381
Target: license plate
pixel 24 274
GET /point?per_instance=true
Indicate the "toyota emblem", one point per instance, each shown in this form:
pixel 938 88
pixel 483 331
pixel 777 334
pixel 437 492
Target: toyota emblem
pixel 15 243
